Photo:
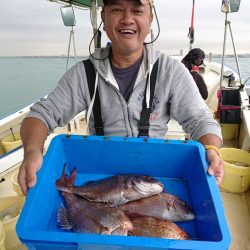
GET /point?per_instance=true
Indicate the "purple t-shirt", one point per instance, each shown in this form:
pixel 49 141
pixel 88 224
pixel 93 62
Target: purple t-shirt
pixel 126 77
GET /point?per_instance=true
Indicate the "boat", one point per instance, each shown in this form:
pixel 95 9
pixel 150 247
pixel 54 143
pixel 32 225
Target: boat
pixel 221 82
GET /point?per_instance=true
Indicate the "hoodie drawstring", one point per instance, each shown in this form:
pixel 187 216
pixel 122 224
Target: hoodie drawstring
pixel 148 86
pixel 92 102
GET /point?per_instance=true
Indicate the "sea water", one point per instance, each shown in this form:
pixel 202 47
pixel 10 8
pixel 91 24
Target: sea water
pixel 24 80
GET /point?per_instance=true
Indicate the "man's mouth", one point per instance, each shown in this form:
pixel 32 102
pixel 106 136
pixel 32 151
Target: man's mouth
pixel 127 31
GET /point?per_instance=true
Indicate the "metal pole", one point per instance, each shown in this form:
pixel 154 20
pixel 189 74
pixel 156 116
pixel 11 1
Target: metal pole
pixel 73 37
pixel 94 19
pixel 191 29
pixel 210 57
pixel 224 48
pixel 235 53
pixel 70 34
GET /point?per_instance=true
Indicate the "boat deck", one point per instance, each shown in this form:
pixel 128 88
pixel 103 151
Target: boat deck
pixel 237 210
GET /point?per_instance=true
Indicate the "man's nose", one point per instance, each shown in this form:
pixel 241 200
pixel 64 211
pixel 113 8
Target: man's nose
pixel 127 17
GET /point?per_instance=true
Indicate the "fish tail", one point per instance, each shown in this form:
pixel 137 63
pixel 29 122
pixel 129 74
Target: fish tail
pixel 63 181
pixel 72 178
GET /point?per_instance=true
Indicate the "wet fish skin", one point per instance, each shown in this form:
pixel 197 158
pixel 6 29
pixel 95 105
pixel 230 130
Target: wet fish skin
pixel 115 190
pixel 84 216
pixel 153 227
pixel 163 206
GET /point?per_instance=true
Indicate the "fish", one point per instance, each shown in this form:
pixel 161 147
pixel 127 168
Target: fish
pixel 115 190
pixel 162 206
pixel 153 227
pixel 83 216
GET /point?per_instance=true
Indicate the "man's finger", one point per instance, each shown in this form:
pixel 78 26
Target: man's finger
pixel 217 171
pixel 22 180
pixel 211 170
pixel 31 177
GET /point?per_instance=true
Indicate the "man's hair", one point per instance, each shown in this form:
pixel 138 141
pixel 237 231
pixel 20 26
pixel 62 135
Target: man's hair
pixel 105 2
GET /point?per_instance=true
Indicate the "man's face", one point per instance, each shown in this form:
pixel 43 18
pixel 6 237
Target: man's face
pixel 127 23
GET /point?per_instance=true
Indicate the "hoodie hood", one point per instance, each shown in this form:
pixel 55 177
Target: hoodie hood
pixel 103 67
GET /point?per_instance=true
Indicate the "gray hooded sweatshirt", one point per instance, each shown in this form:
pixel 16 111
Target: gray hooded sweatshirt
pixel 176 96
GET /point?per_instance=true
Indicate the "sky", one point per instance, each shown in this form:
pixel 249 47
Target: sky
pixel 35 28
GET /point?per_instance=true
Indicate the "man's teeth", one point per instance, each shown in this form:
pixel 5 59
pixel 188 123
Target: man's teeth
pixel 127 31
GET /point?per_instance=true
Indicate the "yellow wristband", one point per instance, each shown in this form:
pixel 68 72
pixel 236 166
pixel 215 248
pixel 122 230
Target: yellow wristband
pixel 214 148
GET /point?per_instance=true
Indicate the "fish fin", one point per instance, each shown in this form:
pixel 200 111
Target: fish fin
pixel 72 178
pixel 62 218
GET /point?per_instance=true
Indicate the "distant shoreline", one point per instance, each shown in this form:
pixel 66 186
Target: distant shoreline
pixel 230 56
pixel 83 56
pixel 80 56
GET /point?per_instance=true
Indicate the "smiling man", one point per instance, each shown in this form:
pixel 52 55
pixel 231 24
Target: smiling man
pixel 136 91
pixel 127 23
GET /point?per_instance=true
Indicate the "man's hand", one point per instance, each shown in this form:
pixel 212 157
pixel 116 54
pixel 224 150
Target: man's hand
pixel 27 172
pixel 216 166
pixel 33 133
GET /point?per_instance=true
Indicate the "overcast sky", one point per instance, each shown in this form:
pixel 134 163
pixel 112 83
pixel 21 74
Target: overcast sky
pixel 35 27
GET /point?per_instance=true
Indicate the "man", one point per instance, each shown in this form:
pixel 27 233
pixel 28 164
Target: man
pixel 121 76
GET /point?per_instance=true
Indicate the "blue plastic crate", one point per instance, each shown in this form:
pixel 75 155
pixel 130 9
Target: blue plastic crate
pixel 180 165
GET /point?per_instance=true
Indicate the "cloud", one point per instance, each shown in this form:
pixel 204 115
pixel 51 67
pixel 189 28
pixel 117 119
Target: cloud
pixel 36 28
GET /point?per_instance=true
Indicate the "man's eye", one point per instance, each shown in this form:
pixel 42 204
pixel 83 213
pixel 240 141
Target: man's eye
pixel 138 11
pixel 116 10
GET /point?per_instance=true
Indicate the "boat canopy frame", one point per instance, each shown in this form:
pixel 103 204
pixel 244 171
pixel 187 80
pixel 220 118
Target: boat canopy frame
pixel 92 5
pixel 80 3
